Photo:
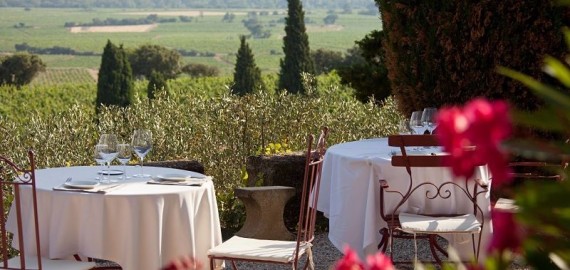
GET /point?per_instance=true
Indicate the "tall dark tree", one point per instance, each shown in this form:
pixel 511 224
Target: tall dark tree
pixel 247 76
pixel 115 84
pixel 296 48
pixel 447 52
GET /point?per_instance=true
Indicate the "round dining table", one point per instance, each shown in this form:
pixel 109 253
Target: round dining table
pixel 349 194
pixel 132 222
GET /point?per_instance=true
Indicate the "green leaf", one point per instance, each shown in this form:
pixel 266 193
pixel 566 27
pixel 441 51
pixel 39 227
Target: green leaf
pixel 557 69
pixel 547 151
pixel 549 94
pixel 544 119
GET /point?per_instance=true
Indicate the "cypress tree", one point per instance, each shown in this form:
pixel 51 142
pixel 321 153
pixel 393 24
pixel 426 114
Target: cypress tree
pixel 296 48
pixel 115 83
pixel 247 76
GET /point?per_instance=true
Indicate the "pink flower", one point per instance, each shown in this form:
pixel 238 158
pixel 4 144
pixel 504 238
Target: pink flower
pixel 482 124
pixel 350 261
pixel 379 262
pixel 507 234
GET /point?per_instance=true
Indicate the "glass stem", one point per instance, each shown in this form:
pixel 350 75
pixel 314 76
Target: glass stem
pixel 142 166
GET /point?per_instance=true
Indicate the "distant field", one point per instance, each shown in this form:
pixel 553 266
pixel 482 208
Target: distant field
pixel 65 76
pixel 206 33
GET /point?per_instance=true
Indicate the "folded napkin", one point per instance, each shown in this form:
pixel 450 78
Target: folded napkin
pixel 101 189
pixel 188 182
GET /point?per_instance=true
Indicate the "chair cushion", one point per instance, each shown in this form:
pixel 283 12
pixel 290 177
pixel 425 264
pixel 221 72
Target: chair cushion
pixel 412 223
pixel 258 249
pixel 506 205
pixel 32 263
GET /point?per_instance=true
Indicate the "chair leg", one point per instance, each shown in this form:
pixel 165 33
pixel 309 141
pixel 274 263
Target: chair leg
pixel 415 250
pixel 309 264
pixel 383 245
pixel 432 246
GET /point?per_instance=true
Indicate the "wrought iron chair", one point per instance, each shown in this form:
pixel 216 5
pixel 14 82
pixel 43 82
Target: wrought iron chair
pixel 524 171
pixel 12 180
pixel 278 251
pixel 425 223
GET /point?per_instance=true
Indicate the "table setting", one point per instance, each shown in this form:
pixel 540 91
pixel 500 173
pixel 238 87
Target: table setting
pixel 139 218
pixel 350 180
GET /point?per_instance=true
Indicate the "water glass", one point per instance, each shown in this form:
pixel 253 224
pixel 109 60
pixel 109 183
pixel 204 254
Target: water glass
pixel 416 122
pixel 124 156
pixel 100 158
pixel 142 143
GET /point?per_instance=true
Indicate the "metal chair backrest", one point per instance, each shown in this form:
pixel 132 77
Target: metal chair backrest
pixel 440 190
pixel 12 179
pixel 310 193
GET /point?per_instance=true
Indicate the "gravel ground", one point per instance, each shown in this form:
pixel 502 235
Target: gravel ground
pixel 325 256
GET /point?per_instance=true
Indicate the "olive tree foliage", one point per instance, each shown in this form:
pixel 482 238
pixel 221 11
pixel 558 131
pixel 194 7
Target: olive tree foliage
pixel 115 83
pixel 148 58
pixel 297 58
pixel 20 69
pixel 247 76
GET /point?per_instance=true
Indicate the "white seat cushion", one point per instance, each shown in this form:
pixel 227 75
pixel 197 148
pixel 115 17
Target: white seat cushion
pixel 258 249
pixel 506 205
pixel 412 223
pixel 32 263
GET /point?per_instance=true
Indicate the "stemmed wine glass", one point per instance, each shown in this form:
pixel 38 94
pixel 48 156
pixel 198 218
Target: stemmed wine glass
pixel 428 119
pixel 110 153
pixel 404 127
pixel 124 156
pixel 416 123
pixel 142 143
pixel 99 158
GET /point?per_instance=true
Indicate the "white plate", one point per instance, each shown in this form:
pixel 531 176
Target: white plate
pixel 110 172
pixel 80 184
pixel 174 177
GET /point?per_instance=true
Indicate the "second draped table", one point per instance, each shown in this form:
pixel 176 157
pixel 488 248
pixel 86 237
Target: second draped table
pixel 137 225
pixel 349 195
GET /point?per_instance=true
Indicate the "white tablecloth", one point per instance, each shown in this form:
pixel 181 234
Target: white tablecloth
pixel 349 194
pixel 137 225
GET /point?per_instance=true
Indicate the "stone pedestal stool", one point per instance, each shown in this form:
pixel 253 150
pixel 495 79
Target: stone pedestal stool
pixel 264 212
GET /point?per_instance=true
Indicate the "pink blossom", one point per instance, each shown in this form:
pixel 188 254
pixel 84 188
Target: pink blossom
pixel 349 261
pixel 479 123
pixel 507 234
pixel 379 262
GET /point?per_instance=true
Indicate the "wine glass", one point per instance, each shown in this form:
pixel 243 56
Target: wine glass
pixel 110 153
pixel 404 127
pixel 142 143
pixel 428 119
pixel 99 158
pixel 416 123
pixel 124 156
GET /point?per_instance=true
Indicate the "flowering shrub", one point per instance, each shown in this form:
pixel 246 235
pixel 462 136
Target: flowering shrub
pixel 350 261
pixel 480 123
